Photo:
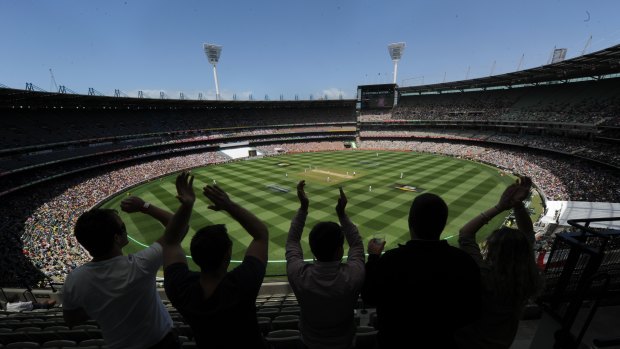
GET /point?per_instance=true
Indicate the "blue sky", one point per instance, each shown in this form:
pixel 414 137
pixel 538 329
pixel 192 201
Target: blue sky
pixel 286 47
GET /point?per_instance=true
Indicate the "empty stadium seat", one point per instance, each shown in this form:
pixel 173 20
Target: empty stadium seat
pixel 284 322
pixel 185 330
pixel 56 328
pixel 79 335
pixel 373 319
pixel 365 337
pixel 84 327
pixel 23 345
pixel 28 329
pixel 284 339
pixel 33 320
pixel 264 324
pixel 294 310
pixel 59 343
pixel 177 317
pixel 6 338
pixel 95 342
pixel 269 312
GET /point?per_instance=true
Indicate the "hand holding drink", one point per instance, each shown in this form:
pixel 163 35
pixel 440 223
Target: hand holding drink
pixel 376 244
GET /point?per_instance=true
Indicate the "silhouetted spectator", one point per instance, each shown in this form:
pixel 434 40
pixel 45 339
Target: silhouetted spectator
pixel 419 288
pixel 508 270
pixel 327 289
pixel 118 291
pixel 217 304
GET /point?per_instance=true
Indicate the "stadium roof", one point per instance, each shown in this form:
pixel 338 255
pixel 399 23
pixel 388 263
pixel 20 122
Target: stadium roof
pixel 593 65
pixel 15 98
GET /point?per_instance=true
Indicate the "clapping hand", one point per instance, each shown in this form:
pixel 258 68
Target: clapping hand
pixel 523 189
pixel 342 203
pixel 219 198
pixel 515 193
pixel 132 204
pixel 185 189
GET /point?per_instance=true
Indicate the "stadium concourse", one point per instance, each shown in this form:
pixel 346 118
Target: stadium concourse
pixel 64 154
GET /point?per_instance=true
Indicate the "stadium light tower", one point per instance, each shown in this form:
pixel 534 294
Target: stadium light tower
pixel 213 55
pixel 396 52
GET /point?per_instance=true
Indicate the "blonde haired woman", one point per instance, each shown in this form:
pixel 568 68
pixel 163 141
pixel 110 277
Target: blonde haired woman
pixel 508 271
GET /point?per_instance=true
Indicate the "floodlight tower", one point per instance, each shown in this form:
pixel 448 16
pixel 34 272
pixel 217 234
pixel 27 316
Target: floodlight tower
pixel 213 55
pixel 396 52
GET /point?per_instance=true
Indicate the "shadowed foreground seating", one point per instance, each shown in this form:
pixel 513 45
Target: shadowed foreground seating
pixel 284 339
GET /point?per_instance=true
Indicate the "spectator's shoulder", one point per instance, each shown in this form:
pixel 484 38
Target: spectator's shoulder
pixel 177 268
pixel 154 249
pixel 253 262
pixel 77 273
pixel 396 252
pixel 462 258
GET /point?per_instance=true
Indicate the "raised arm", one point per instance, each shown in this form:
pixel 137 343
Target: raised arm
pixel 178 225
pixel 135 204
pixel 372 282
pixel 258 248
pixel 351 233
pixel 522 216
pixel 512 197
pixel 294 252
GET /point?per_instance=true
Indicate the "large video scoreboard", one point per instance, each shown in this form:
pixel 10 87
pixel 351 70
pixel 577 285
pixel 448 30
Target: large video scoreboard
pixel 376 97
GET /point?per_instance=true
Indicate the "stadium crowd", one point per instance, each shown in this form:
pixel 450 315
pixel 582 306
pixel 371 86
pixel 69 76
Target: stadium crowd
pixel 557 178
pixel 605 152
pixel 46 235
pixel 274 149
pixel 32 167
pixel 37 127
pixel 585 102
pixel 264 131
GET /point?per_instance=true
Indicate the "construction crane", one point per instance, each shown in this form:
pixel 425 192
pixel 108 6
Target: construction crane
pixel 53 84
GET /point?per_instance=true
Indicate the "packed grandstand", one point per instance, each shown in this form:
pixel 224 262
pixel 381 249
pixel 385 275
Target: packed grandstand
pixel 62 154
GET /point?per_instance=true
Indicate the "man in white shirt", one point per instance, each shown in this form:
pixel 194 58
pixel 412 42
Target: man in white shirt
pixel 117 291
